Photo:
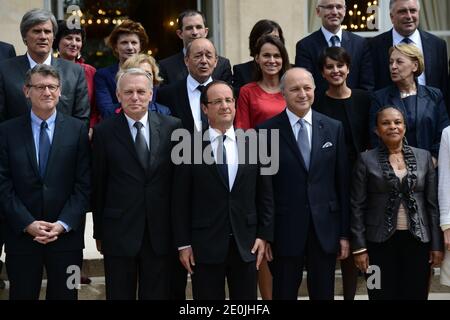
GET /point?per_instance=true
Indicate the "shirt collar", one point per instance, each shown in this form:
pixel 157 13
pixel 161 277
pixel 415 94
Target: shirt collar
pixel 293 118
pixel 37 121
pixel 398 38
pixel 193 84
pixel 329 34
pixel 33 63
pixel 143 120
pixel 214 134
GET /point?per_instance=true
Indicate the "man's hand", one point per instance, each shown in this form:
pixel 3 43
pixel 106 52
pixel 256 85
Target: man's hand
pixel 344 250
pixel 447 239
pixel 259 248
pixel 187 259
pixel 362 261
pixel 45 232
pixel 436 258
pixel 98 243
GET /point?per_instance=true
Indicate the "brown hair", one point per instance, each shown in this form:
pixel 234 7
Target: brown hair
pixel 128 27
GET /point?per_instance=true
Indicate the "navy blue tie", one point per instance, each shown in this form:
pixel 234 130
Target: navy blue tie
pixel 303 143
pixel 44 148
pixel 203 117
pixel 334 41
pixel 407 40
pixel 222 159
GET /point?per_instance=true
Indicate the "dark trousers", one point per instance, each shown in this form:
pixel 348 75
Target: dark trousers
pixel 147 273
pixel 404 267
pixel 288 272
pixel 178 278
pixel 208 280
pixel 25 274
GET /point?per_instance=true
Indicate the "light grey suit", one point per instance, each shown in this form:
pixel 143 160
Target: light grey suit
pixel 74 95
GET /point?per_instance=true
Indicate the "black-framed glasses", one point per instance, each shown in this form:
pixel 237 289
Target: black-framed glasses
pixel 219 102
pixel 41 87
pixel 330 7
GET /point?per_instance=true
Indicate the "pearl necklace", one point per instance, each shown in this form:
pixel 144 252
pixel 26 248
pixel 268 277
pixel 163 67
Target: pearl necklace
pixel 407 94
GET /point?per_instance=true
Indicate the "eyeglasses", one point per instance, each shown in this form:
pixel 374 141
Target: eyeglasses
pixel 330 7
pixel 41 87
pixel 219 102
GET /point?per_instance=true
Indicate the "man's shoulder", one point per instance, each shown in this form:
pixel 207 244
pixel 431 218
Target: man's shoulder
pixel 326 120
pixel 14 123
pixel 429 37
pixel 169 60
pixel 385 37
pixel 310 39
pixel 11 63
pixel 274 122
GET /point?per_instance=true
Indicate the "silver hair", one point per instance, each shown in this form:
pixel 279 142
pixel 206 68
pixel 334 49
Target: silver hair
pixel 44 70
pixel 34 17
pixel 319 2
pixel 283 78
pixel 392 3
pixel 135 72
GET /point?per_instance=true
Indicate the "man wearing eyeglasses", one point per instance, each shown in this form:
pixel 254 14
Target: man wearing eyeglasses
pixel 38 28
pixel 44 192
pixel 223 213
pixel 331 34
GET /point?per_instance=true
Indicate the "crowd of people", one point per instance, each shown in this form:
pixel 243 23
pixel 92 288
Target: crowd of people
pixel 358 128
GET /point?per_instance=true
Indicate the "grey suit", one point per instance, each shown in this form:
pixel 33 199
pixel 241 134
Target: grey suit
pixel 370 195
pixel 74 95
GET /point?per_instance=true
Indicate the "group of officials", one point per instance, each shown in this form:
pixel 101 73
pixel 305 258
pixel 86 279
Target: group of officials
pixel 218 219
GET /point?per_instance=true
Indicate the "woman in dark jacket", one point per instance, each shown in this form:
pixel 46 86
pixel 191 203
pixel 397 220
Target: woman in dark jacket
pixel 423 106
pixel 395 215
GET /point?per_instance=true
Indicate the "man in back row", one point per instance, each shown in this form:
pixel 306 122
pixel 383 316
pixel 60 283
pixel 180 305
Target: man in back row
pixel 191 25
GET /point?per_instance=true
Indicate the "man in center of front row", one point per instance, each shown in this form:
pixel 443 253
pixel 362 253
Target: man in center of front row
pixel 132 180
pixel 311 194
pixel 223 213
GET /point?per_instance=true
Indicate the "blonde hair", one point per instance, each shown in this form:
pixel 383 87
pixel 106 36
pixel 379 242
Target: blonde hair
pixel 413 53
pixel 138 59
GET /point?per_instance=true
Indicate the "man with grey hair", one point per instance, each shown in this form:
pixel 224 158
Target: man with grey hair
pixel 38 28
pixel 44 192
pixel 405 29
pixel 311 194
pixel 331 34
pixel 132 180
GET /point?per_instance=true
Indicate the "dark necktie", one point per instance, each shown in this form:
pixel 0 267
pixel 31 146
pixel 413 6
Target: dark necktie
pixel 222 159
pixel 203 117
pixel 303 142
pixel 44 148
pixel 141 146
pixel 407 40
pixel 334 41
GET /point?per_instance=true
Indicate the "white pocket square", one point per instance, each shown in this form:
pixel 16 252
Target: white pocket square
pixel 327 145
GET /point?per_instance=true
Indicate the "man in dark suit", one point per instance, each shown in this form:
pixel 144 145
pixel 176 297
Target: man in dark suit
pixel 405 20
pixel 308 50
pixel 224 208
pixel 311 193
pixel 44 191
pixel 38 28
pixel 191 25
pixel 183 96
pixel 6 51
pixel 132 179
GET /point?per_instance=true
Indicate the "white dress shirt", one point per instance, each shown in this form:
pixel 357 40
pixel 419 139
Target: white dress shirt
pixel 33 63
pixel 417 41
pixel 231 150
pixel 194 99
pixel 293 120
pixel 145 129
pixel 329 34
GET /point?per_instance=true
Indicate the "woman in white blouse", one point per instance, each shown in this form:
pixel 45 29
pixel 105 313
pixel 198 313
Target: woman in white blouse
pixel 444 201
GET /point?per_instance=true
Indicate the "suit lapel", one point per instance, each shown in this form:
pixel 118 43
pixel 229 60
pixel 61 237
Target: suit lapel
pixel 185 106
pixel 317 139
pixel 287 134
pixel 427 48
pixel 346 43
pixel 58 135
pixel 154 139
pixel 213 167
pixel 421 106
pixel 123 135
pixel 27 134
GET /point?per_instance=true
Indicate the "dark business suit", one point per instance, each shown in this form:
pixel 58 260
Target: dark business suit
pixel 311 208
pixel 243 73
pixel 376 197
pixel 132 207
pixel 63 194
pixel 6 51
pixel 435 56
pixel 74 100
pixel 206 212
pixel 309 49
pixel 173 69
pixel 431 116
